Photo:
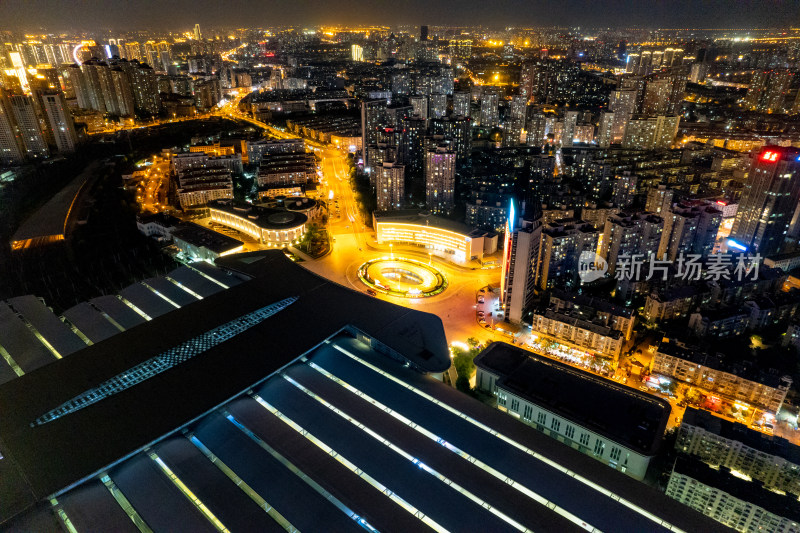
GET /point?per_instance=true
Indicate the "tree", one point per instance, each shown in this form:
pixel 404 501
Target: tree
pixel 462 384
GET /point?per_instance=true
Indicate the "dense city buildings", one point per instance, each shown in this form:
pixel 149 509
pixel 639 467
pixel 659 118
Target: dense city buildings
pixel 400 276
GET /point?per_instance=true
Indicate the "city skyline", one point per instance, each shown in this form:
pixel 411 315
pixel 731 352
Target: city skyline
pixel 399 267
pixel 98 15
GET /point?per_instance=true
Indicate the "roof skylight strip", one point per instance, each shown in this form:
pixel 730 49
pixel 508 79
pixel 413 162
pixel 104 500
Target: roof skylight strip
pixel 164 361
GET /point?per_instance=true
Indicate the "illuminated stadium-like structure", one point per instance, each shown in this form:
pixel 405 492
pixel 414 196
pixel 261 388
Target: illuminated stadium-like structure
pixel 402 277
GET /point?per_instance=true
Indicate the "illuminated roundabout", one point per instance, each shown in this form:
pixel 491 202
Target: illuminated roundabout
pixel 406 278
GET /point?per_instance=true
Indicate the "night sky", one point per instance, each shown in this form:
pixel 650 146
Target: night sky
pixel 181 14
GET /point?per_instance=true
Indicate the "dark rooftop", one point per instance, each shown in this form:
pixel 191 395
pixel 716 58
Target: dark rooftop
pixel 200 236
pixel 264 217
pixel 621 413
pixel 96 436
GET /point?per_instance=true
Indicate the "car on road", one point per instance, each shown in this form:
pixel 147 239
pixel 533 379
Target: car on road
pixel 481 299
pixel 372 292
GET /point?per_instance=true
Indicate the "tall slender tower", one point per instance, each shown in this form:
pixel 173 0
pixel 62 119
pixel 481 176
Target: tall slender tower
pixel 521 245
pixel 59 121
pixel 28 124
pixel 12 150
pixel 440 179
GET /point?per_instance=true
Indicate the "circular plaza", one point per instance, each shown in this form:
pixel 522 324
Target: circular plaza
pixel 406 278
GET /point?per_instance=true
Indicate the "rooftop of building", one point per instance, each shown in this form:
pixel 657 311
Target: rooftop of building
pixel 752 492
pixel 201 236
pixel 393 449
pixel 576 318
pixel 264 217
pixel 598 304
pixel 622 414
pixel 421 218
pixel 90 439
pixel 734 431
pixel 162 219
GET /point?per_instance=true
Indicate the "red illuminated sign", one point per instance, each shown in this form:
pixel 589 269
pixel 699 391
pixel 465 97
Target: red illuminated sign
pixel 770 156
pixel 720 202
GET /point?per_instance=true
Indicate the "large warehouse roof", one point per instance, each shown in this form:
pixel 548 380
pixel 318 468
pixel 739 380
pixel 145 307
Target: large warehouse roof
pixel 93 437
pixel 307 417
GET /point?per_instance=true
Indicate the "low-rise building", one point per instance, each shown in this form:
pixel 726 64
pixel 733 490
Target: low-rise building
pixel 786 262
pixel 286 169
pixel 273 227
pixel 202 185
pixel 617 425
pixel 735 378
pixel 716 441
pixel 257 149
pixel 595 310
pixel 204 244
pixel 439 236
pixel 159 225
pixel 726 322
pixel 674 302
pixel 735 502
pixel 571 329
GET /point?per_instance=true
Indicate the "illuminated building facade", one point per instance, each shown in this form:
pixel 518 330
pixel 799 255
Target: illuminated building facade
pixel 521 244
pixel 273 227
pixel 59 120
pixel 442 237
pixel 770 198
pixel 693 366
pixel 390 185
pixel 11 146
pixel 440 179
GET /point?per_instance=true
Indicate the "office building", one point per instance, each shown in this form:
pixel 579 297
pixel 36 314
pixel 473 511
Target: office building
pixel 770 197
pixel 270 226
pixel 573 406
pixel 440 179
pixel 439 236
